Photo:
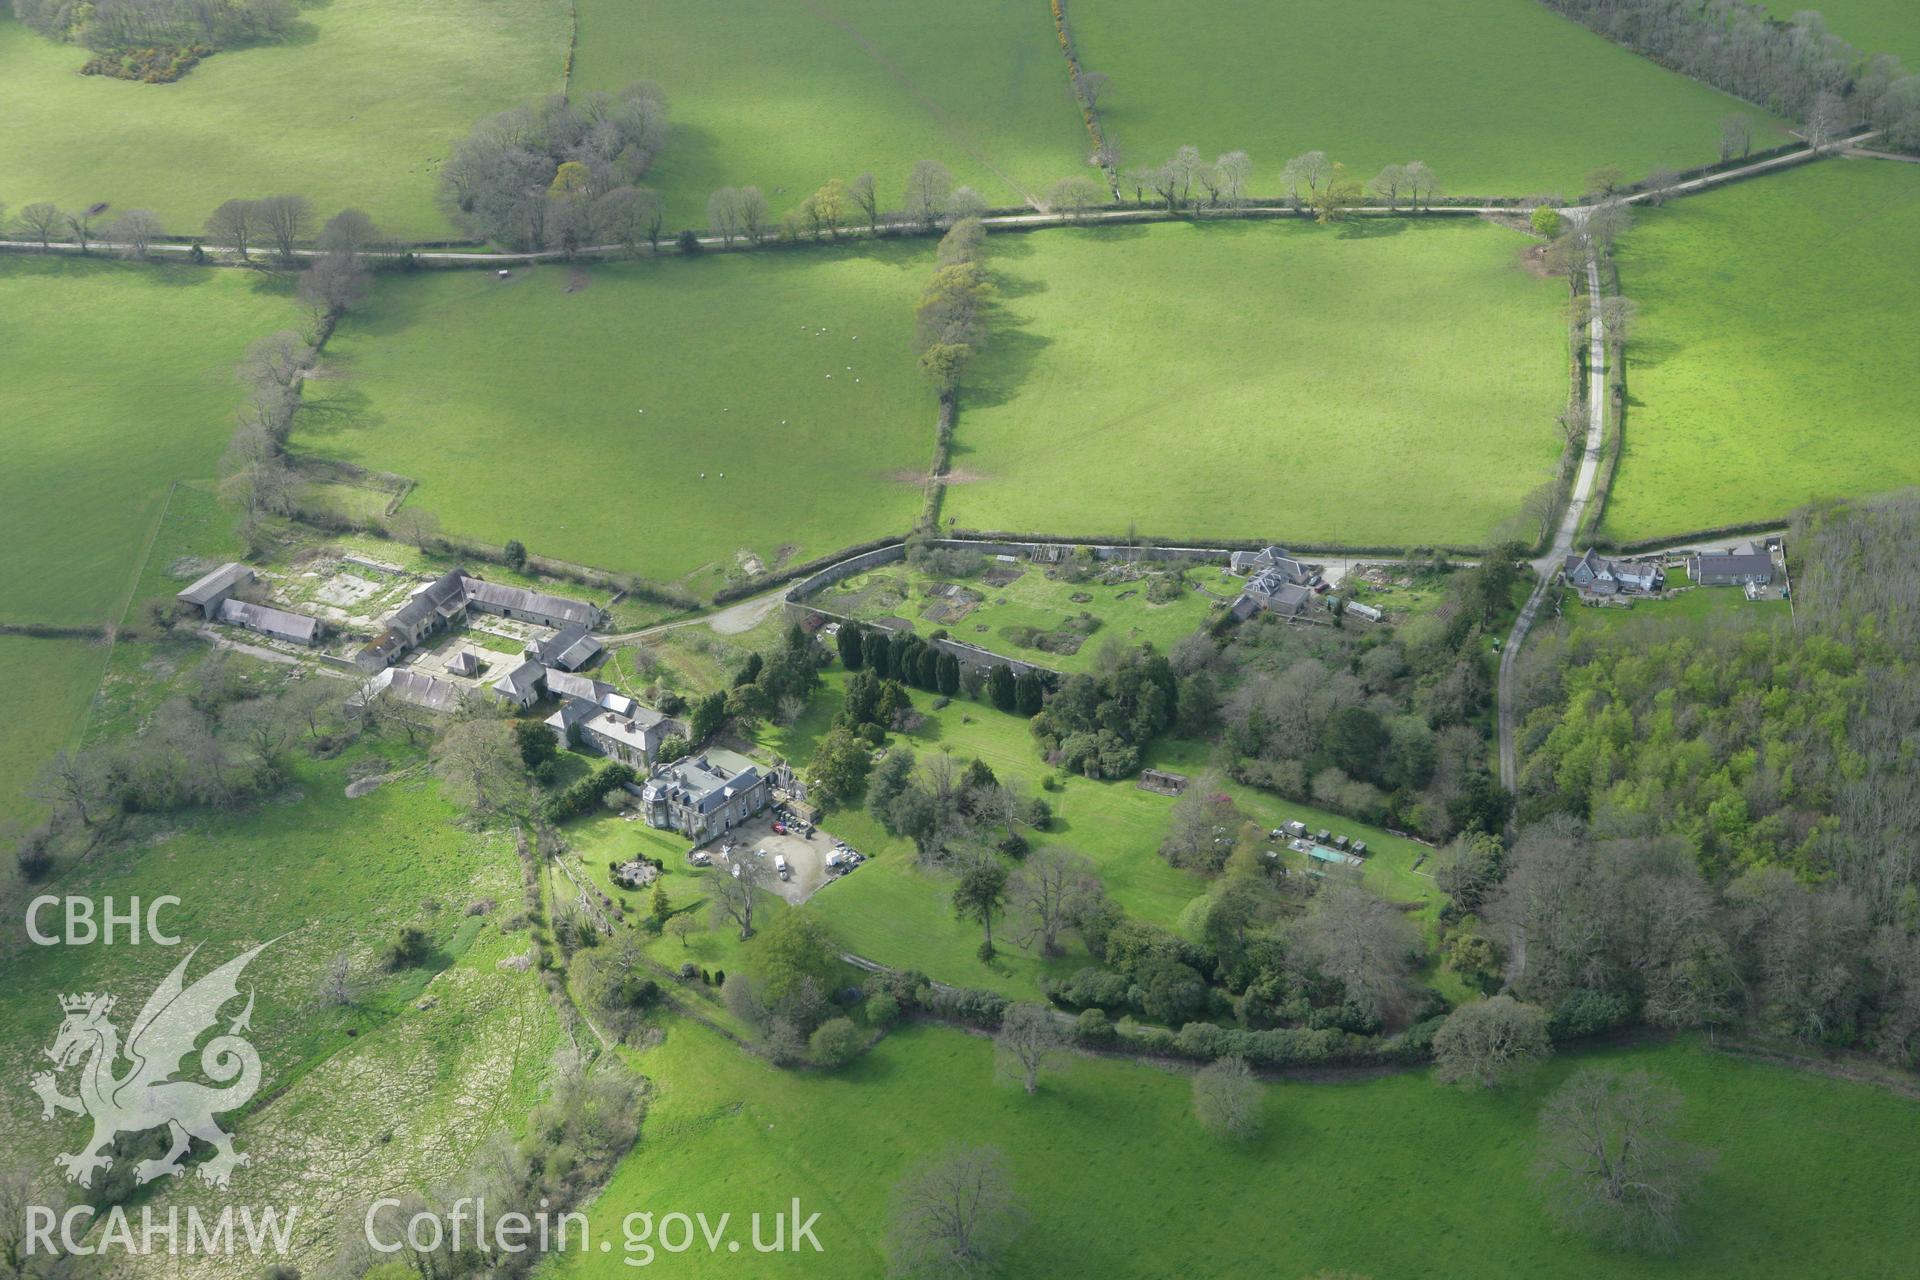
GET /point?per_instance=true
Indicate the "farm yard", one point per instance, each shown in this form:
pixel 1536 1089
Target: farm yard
pixel 979 87
pixel 1409 81
pixel 159 346
pixel 1383 384
pixel 642 417
pixel 1775 349
pixel 1109 1159
pixel 1056 616
pixel 359 108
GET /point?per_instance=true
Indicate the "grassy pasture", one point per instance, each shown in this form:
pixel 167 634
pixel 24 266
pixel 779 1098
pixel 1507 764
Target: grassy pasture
pixel 438 1056
pixel 43 715
pixel 1495 95
pixel 785 94
pixel 1120 1180
pixel 1776 349
pixel 1872 26
pixel 1387 383
pixel 119 381
pixel 665 418
pixel 359 108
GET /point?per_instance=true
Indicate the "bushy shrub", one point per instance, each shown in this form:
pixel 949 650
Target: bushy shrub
pixel 1588 1013
pixel 835 1043
pixel 882 1010
pixel 1093 1028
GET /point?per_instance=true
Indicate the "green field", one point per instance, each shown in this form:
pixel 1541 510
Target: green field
pixel 359 108
pixel 1495 95
pixel 1872 26
pixel 1776 350
pixel 1391 1177
pixel 785 94
pixel 578 411
pixel 1034 600
pixel 1388 383
pixel 119 381
pixel 43 715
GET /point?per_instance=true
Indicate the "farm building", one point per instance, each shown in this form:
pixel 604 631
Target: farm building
pixel 568 649
pixel 1731 568
pixel 1595 575
pixel 446 602
pixel 704 795
pixel 411 687
pixel 210 590
pixel 296 628
pixel 521 686
pixel 464 663
pixel 1272 591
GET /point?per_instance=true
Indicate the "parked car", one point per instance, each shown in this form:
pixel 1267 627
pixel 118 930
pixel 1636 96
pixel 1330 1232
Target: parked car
pixel 779 827
pixel 781 868
pixel 700 858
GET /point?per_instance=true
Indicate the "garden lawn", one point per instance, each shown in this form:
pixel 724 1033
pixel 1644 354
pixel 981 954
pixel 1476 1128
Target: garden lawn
pixel 359 108
pixel 1777 349
pixel 668 418
pixel 785 94
pixel 119 381
pixel 1812 1176
pixel 893 911
pixel 1386 383
pixel 1034 600
pixel 1496 95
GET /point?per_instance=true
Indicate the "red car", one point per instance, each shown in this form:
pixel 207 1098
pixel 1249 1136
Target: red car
pixel 779 827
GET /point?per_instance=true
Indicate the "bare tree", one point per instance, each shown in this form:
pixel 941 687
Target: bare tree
pixel 1309 170
pixel 1422 184
pixel 1185 166
pixel 350 231
pixel 1366 944
pixel 414 525
pixel 1092 85
pixel 955 1215
pixel 135 233
pixel 80 226
pixel 73 782
pixel 928 185
pixel 1827 121
pixel 479 764
pixel 723 213
pixel 865 194
pixel 336 984
pixel 631 216
pixel 1661 180
pixel 279 359
pixel 753 214
pixel 285 221
pixel 1490 1042
pixel 1390 182
pixel 1610 1164
pixel 1617 314
pixel 233 224
pixel 1234 168
pixel 20 1194
pixel 1736 135
pixel 735 890
pixel 1029 1038
pixel 1226 1100
pixel 335 284
pixel 964 202
pixel 1074 196
pixel 1048 895
pixel 43 222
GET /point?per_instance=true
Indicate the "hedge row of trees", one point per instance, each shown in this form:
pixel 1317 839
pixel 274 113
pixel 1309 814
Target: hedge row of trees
pixel 128 24
pixel 1795 67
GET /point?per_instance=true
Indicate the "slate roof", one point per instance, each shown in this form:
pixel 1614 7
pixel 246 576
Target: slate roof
pixel 297 627
pixel 569 648
pixel 413 686
pixel 211 584
pixel 521 681
pixel 707 781
pixel 497 596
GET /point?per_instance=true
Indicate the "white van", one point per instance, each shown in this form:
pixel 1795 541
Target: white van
pixel 780 866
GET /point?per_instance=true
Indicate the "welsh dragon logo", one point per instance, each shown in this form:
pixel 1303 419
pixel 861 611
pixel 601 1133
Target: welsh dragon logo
pixel 145 1096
